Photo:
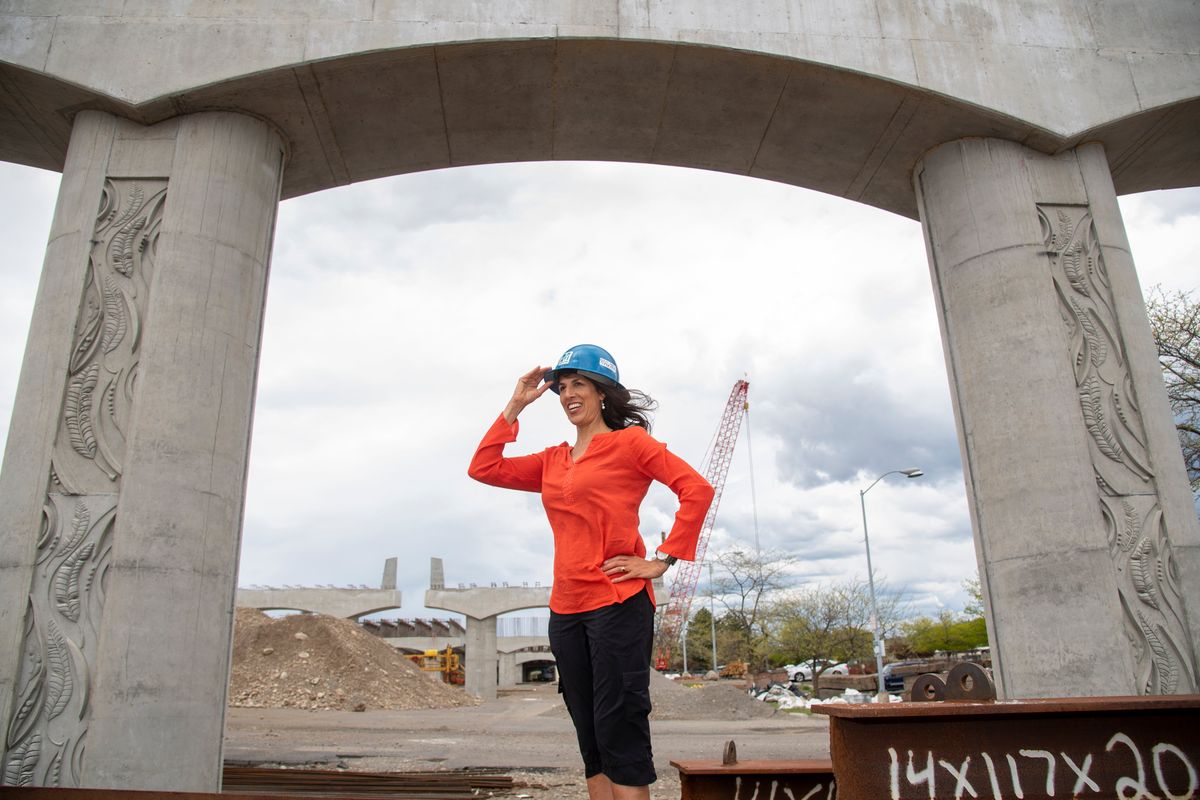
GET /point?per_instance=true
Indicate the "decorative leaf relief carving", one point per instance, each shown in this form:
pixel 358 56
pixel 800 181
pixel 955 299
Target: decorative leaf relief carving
pixel 31 691
pixel 24 757
pixel 60 683
pixel 54 772
pixel 81 520
pixel 1168 671
pixel 136 193
pixel 1097 351
pixel 121 250
pixel 1131 530
pixel 1093 417
pixel 88 331
pixel 66 583
pixel 1141 569
pixel 79 412
pixel 115 321
pixel 1062 235
pixel 1070 317
pixel 1073 266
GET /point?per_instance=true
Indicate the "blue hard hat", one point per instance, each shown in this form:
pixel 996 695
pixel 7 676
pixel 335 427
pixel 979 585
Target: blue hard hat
pixel 588 359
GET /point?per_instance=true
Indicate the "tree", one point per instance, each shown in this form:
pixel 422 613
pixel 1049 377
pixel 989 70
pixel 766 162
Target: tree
pixel 949 632
pixel 974 590
pixel 743 585
pixel 699 641
pixel 833 623
pixel 1175 323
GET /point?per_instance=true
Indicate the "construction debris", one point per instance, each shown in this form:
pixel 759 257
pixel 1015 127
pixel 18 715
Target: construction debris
pixel 449 785
pixel 313 661
pixel 699 700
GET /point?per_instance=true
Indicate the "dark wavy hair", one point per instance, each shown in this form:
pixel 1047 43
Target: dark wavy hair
pixel 621 407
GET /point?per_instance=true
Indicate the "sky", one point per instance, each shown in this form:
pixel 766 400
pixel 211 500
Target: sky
pixel 401 311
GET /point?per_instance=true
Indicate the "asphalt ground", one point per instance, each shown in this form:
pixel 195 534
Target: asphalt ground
pixel 520 732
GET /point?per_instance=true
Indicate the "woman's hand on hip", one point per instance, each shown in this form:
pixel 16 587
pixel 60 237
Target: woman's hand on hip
pixel 528 390
pixel 624 568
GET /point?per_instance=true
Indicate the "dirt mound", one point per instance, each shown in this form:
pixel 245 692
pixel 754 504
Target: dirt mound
pixel 316 661
pixel 723 700
pixel 726 700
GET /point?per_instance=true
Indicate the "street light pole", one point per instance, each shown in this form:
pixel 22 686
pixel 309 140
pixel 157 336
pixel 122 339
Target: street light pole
pixel 712 616
pixel 685 634
pixel 881 694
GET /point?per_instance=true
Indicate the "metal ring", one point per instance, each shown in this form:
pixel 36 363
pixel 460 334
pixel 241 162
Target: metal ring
pixel 969 681
pixel 927 689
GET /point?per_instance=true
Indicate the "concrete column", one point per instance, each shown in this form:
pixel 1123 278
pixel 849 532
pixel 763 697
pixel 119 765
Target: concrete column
pixel 510 671
pixel 37 414
pixel 1086 540
pixel 123 481
pixel 481 657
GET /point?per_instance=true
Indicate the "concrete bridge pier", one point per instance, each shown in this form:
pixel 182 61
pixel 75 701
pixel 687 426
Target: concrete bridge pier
pixel 482 660
pixel 481 606
pixel 1084 526
pixel 123 481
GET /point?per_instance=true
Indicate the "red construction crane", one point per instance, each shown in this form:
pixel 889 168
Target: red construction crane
pixel 683 588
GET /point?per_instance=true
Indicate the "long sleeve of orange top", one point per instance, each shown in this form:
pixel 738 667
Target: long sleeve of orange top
pixel 491 467
pixel 694 492
pixel 592 505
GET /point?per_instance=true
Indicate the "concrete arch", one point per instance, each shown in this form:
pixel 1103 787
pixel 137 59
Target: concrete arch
pixel 375 95
pixel 343 603
pixel 1008 128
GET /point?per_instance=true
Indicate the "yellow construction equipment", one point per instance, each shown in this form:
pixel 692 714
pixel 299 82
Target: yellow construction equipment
pixel 444 661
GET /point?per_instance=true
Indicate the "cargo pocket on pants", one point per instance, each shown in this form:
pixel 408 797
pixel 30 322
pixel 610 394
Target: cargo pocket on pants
pixel 636 687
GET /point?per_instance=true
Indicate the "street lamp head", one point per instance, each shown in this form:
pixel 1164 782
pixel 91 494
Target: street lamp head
pixel 911 473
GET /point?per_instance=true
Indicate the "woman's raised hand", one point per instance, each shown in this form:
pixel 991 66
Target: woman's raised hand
pixel 529 388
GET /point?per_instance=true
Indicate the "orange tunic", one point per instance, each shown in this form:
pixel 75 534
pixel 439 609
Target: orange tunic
pixel 593 503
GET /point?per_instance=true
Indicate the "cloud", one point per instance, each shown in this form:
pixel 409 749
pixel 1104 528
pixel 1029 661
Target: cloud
pixel 401 311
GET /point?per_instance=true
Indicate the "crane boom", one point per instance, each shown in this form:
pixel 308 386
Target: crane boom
pixel 683 588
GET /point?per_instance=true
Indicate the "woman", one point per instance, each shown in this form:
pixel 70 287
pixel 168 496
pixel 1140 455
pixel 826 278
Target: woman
pixel 602 604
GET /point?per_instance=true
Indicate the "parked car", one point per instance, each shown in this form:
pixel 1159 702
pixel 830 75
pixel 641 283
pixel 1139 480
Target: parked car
pixel 804 671
pixel 891 681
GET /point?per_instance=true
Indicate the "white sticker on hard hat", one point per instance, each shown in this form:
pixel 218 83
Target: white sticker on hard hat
pixel 566 357
pixel 604 362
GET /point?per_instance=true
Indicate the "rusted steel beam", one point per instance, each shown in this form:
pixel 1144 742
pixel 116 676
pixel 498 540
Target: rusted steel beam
pixel 48 793
pixel 266 783
pixel 1128 748
pixel 743 780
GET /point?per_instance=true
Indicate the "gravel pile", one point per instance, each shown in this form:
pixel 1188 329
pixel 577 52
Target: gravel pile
pixel 675 700
pixel 318 662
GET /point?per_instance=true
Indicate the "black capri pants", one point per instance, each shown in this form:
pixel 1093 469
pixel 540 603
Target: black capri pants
pixel 603 660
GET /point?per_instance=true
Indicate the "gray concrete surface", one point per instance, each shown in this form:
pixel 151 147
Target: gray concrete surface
pixel 347 602
pixel 724 86
pixel 123 636
pixel 511 732
pixel 1078 496
pixel 121 489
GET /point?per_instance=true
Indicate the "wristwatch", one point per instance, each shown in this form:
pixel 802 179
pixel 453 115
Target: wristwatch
pixel 668 560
